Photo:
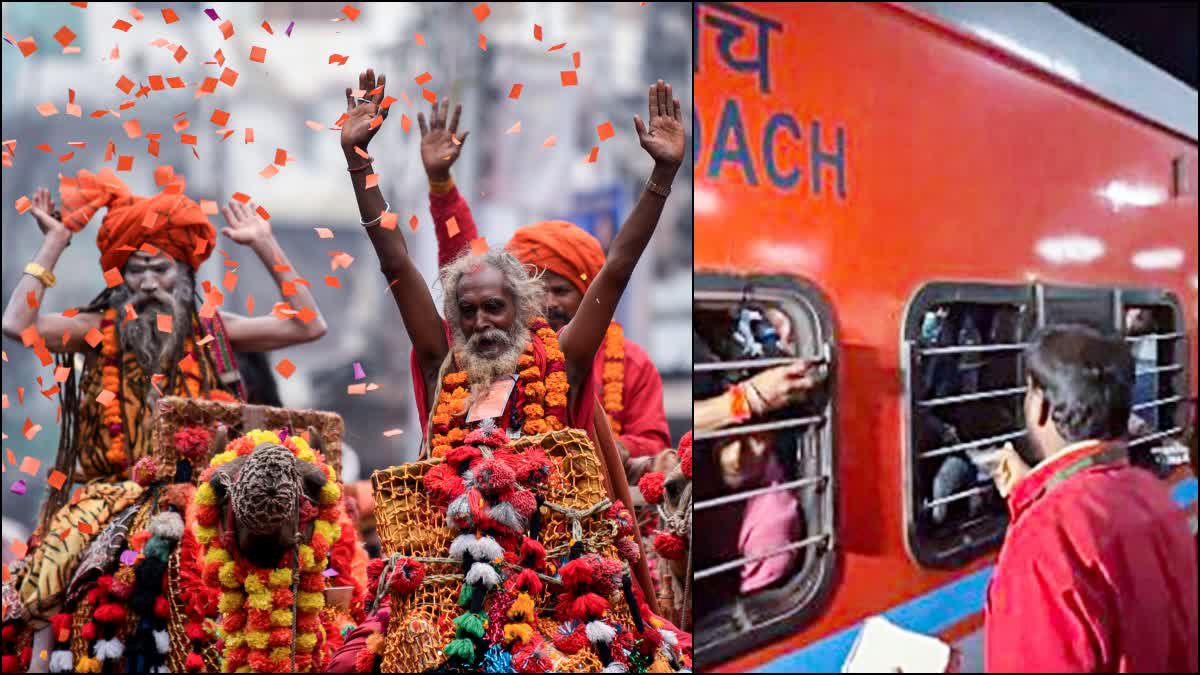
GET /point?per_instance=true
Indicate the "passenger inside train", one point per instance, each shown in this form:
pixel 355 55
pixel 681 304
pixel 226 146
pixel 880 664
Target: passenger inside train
pixel 755 555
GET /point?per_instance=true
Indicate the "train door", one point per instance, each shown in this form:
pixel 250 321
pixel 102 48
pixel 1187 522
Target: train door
pixel 765 546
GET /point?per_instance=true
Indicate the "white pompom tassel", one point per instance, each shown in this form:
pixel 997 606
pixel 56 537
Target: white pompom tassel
pixel 485 548
pixel 616 667
pixel 168 525
pixel 483 573
pixel 669 637
pixel 62 661
pixel 461 544
pixel 109 650
pixel 598 631
pixel 162 641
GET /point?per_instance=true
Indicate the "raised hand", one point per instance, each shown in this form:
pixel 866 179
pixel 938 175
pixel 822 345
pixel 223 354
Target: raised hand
pixel 440 143
pixel 246 227
pixel 357 129
pixel 48 218
pixel 664 139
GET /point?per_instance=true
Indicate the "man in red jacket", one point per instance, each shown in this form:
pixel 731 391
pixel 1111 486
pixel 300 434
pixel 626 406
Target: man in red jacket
pixel 570 258
pixel 1098 568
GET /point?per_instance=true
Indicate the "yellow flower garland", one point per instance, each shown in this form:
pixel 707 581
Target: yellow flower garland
pixel 613 376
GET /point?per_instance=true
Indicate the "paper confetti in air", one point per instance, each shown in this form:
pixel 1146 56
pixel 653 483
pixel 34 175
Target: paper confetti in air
pixel 285 368
pixel 56 479
pixel 605 131
pixel 18 488
pixel 392 432
pixel 515 92
pixel 358 371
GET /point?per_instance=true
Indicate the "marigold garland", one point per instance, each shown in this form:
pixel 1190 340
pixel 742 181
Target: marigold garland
pixel 256 603
pixel 541 396
pixel 111 380
pixel 613 377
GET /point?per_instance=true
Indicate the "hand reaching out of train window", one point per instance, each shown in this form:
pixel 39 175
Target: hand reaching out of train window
pixel 782 386
pixel 1009 469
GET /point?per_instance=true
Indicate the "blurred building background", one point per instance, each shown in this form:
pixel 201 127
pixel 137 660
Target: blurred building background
pixel 509 179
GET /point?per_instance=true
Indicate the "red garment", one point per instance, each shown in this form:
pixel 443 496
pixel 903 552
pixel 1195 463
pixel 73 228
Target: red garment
pixel 1097 573
pixel 644 430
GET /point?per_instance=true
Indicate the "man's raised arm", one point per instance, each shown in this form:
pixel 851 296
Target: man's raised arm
pixel 663 140
pixel 417 308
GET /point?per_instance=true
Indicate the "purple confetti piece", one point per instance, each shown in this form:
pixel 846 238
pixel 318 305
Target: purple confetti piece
pixel 289 29
pixel 212 14
pixel 358 371
pixel 329 572
pixel 18 488
pixel 128 557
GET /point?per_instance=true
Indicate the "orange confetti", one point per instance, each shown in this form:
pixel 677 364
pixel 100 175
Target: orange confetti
pixel 125 84
pixel 122 25
pixel 483 42
pixel 537 32
pixel 351 12
pixel 241 197
pixel 19 549
pixel 258 55
pixel 429 95
pixel 481 11
pixel 156 83
pixel 557 47
pixel 575 60
pixel 306 315
pixel 30 429
pixel 515 92
pixel 280 156
pixel 230 280
pixel 249 303
pixel 356 389
pixel 133 128
pixel 514 129
pixel 30 465
pixel 331 280
pixel 605 131
pixel 176 82
pixel 164 322
pixel 169 15
pixel 479 246
pixel 263 213
pixel 23 204
pixel 392 432
pixel 67 157
pixel 93 337
pixel 315 126
pixel 27 46
pixel 324 232
pixel 31 300
pixel 388 220
pixel 452 227
pixel 285 368
pixel 219 118
pixel 136 14
pixel 420 39
pixel 187 139
pixel 113 277
pixel 591 158
pixel 405 122
pixel 413 222
pixel 338 59
pixel 229 76
pixel 550 142
pixel 569 78
pixel 61 374
pixel 372 180
pixel 125 163
pixel 423 78
pixel 65 36
pixel 227 29
pixel 208 86
pixel 105 397
pixel 56 479
pixel 180 54
pixel 269 172
pixel 85 528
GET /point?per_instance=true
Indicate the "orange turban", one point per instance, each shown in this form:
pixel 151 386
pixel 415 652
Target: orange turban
pixel 560 247
pixel 168 221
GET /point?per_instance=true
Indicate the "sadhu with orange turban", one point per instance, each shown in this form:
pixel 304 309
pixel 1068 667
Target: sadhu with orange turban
pixel 561 248
pixel 142 339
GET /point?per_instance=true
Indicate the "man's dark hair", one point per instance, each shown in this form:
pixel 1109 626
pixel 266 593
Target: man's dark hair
pixel 1086 378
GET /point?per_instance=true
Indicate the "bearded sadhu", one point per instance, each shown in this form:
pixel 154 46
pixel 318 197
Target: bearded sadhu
pixel 494 307
pixel 142 338
pixel 569 260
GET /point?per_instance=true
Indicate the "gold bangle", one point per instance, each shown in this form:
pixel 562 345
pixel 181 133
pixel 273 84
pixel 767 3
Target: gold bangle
pixel 41 274
pixel 441 187
pixel 660 190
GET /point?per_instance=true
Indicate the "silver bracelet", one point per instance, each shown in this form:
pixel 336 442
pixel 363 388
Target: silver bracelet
pixel 368 223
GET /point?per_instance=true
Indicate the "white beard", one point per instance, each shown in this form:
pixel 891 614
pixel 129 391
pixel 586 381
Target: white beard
pixel 483 370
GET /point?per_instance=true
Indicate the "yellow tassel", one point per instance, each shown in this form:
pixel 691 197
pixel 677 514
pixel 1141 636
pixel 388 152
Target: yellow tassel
pixel 521 609
pixel 87 664
pixel 518 631
pixel 660 665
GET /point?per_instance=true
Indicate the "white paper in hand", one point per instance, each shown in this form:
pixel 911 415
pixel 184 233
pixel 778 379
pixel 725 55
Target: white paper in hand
pixel 884 647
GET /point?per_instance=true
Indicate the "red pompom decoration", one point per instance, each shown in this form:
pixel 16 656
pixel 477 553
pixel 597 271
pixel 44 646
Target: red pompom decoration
pixel 261 663
pixel 462 455
pixel 407 576
pixel 685 454
pixel 535 470
pixel 533 554
pixel 10 632
pixel 105 582
pixel 192 442
pixel 494 438
pixel 532 657
pixel 146 471
pixel 585 607
pixel 281 597
pixel 58 623
pixel 608 575
pixel 280 637
pixel 110 612
pixel 571 643
pixel 494 477
pixel 577 575
pixel 88 631
pixel 443 484
pixel 312 583
pixel 207 515
pixel 524 502
pixel 194 662
pixel 526 580
pixel 10 664
pixel 651 486
pixel 195 630
pixel 258 619
pixel 237 657
pixel 670 546
pixel 233 621
pixel 162 608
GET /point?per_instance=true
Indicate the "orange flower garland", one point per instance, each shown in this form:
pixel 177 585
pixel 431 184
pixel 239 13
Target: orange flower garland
pixel 110 378
pixel 614 374
pixel 543 395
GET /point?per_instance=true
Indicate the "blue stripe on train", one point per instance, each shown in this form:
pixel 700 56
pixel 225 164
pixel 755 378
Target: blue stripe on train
pixel 930 613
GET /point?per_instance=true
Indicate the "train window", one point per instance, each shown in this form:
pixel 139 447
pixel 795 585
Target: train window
pixel 962 354
pixel 766 497
pixel 1152 323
